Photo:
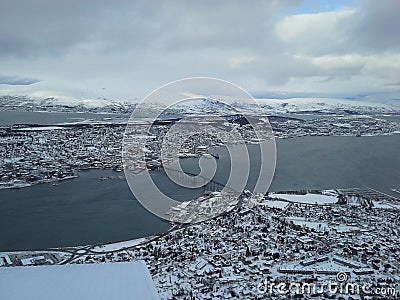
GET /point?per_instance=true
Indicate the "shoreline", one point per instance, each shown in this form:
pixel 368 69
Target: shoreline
pixel 74 254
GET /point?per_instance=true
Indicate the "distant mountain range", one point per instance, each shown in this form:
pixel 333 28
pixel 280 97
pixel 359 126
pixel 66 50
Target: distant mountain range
pixel 24 103
pixel 287 106
pixel 209 106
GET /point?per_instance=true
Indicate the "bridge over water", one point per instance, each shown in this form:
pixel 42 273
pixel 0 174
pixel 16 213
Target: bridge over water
pixel 189 178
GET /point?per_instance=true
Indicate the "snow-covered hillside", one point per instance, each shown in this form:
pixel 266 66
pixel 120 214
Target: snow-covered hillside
pixel 327 105
pixel 211 105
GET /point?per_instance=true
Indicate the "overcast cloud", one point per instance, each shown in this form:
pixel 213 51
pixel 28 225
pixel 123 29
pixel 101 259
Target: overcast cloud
pixel 123 50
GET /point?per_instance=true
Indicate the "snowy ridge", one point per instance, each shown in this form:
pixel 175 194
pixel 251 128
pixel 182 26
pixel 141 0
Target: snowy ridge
pixel 223 105
pixel 212 104
pixel 325 105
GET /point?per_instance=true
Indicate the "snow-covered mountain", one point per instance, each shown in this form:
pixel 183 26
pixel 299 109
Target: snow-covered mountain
pixel 203 106
pixel 210 105
pixel 25 103
pixel 286 106
pixel 327 105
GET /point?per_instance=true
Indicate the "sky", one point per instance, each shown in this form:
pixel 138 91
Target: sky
pixel 123 50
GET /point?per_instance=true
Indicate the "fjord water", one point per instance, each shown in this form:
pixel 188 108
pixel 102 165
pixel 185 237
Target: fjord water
pixel 87 210
pixel 50 118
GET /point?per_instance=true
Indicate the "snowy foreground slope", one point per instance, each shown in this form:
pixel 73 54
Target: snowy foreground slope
pixel 126 280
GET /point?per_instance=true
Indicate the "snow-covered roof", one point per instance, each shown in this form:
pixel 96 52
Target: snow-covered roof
pixel 127 280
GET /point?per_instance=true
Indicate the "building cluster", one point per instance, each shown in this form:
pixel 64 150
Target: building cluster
pixel 333 126
pixel 165 142
pixel 34 156
pixel 205 207
pixel 32 259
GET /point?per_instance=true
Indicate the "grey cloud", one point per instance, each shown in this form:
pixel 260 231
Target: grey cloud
pixel 368 29
pixel 55 27
pixel 376 27
pixel 132 47
pixel 15 80
pixel 41 28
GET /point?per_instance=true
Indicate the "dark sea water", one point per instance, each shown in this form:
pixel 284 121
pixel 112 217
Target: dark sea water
pixel 327 162
pixel 76 212
pixel 50 118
